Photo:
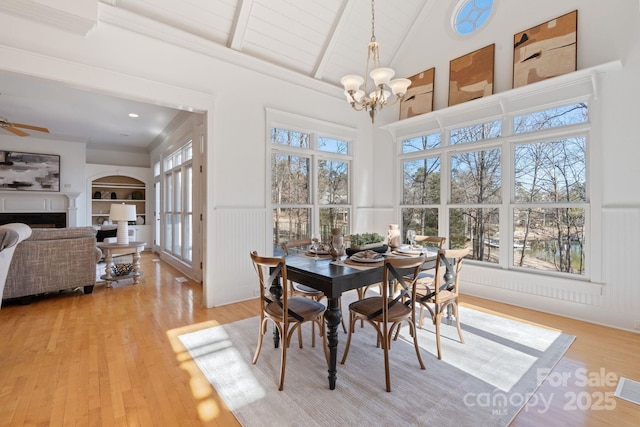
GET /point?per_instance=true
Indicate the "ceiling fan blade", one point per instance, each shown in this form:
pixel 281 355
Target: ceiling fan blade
pixel 38 128
pixel 15 130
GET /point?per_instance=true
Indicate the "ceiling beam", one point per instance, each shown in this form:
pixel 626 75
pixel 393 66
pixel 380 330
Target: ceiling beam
pixel 240 23
pixel 340 22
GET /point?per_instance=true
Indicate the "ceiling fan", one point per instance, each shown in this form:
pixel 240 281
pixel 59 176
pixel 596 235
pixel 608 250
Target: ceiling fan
pixel 14 127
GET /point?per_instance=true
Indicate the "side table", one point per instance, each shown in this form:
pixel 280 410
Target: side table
pixel 114 249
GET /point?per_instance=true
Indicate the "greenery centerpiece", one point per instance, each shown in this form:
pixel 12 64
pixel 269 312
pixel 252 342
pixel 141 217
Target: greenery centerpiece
pixel 366 240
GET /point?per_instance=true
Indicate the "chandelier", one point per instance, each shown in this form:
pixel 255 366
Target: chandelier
pixel 371 102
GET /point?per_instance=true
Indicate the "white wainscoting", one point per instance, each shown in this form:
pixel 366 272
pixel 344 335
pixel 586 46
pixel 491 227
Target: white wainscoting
pixel 576 291
pixel 237 233
pixel 621 260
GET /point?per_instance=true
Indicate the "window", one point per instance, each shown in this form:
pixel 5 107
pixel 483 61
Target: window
pixel 421 185
pixel 157 232
pixel 178 207
pixel 514 190
pixel 475 190
pixel 310 183
pixel 550 192
pixel 471 15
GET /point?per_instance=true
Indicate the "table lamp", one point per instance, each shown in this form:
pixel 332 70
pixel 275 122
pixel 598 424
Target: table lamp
pixel 122 214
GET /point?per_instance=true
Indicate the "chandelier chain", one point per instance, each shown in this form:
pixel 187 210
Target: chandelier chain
pixel 373 20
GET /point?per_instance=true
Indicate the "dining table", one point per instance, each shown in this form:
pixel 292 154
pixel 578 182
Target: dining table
pixel 334 278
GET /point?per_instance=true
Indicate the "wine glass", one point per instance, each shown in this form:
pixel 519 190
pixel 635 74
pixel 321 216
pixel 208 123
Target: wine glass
pixel 315 245
pixel 411 237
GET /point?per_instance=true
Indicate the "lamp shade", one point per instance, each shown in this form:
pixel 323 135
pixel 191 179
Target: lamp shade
pixel 381 76
pixel 351 82
pixel 122 212
pixel 399 86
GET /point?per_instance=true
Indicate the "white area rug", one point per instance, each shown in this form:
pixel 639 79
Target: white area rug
pixel 485 381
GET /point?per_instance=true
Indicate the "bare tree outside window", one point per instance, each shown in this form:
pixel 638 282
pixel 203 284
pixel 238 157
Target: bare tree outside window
pixel 550 183
pixel 333 190
pixel 552 172
pixel 476 181
pixel 295 165
pixel 421 186
pixel 548 201
pixel 290 188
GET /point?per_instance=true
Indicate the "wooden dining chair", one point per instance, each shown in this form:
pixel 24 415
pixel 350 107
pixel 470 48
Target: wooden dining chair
pixel 297 288
pixel 442 292
pixel 385 312
pixel 287 312
pixel 304 290
pixel 435 242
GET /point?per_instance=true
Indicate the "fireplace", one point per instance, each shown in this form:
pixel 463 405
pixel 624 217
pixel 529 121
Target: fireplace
pixel 36 220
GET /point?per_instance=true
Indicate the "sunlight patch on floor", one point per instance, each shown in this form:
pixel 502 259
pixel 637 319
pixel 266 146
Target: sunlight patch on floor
pixel 217 349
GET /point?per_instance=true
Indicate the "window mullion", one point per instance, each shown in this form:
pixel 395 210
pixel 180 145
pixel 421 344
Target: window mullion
pixel 508 195
pixel 445 189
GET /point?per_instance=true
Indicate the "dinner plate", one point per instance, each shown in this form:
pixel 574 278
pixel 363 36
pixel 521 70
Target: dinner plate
pixel 411 251
pixel 366 260
pixel 311 251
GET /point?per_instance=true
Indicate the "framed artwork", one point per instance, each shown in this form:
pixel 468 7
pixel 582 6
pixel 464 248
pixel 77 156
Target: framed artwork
pixel 29 171
pixel 545 51
pixel 419 97
pixel 471 75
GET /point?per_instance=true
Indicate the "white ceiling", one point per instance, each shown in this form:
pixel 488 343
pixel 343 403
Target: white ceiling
pixel 78 115
pixel 321 40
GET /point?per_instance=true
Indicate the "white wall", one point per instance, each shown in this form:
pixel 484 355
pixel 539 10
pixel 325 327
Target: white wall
pixel 112 157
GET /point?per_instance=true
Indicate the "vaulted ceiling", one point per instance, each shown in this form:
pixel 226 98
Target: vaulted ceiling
pixel 320 40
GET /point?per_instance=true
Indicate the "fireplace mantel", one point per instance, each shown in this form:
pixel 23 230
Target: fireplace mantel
pixel 41 202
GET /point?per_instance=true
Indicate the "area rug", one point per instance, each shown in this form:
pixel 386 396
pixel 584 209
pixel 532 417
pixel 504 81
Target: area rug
pixel 485 381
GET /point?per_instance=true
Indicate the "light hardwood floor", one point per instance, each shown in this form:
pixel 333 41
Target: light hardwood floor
pixel 113 358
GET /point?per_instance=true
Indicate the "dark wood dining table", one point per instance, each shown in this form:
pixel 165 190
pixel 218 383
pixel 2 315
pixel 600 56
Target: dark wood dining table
pixel 334 280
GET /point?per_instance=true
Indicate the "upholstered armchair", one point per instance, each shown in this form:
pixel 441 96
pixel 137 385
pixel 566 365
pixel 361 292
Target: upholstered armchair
pixel 51 260
pixel 10 236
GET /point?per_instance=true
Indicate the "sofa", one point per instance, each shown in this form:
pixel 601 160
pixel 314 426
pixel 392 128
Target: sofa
pixel 10 236
pixel 53 259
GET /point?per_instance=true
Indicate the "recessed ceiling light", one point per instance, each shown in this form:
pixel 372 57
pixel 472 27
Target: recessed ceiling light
pixel 134 115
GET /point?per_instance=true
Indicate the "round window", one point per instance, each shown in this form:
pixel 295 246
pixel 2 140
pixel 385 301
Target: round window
pixel 471 15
